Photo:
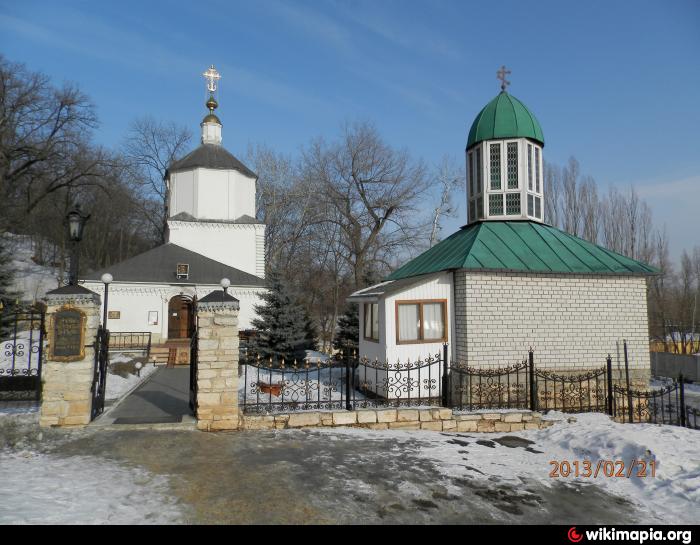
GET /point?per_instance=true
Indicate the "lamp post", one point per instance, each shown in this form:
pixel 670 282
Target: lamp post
pixel 106 280
pixel 225 283
pixel 75 220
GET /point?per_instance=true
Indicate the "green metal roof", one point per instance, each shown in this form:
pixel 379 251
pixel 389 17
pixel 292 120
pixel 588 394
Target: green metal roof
pixel 519 246
pixel 504 117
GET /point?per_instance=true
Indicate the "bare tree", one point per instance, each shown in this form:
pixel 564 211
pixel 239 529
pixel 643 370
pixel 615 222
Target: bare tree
pixel 149 149
pixel 552 194
pixel 370 192
pixel 449 178
pixel 44 140
pixel 571 210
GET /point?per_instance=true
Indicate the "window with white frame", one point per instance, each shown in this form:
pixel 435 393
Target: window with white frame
pixel 477 152
pixel 529 167
pixel 471 170
pixel 496 204
pixel 421 321
pixel 371 326
pixel 495 166
pixel 512 204
pixel 512 165
pixel 537 169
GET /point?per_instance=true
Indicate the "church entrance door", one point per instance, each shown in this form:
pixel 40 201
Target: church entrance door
pixel 179 317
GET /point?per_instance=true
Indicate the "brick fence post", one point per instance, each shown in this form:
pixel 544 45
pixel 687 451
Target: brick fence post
pixel 217 366
pixel 73 317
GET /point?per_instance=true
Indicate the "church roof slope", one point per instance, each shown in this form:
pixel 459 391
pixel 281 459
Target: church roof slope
pixel 159 266
pixel 520 246
pixel 211 156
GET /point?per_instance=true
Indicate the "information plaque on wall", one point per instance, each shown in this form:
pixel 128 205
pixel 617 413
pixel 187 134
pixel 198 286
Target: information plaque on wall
pixel 68 335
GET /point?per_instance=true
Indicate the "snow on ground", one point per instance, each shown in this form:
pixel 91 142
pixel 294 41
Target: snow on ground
pixel 80 490
pixel 31 281
pixel 672 496
pixel 117 385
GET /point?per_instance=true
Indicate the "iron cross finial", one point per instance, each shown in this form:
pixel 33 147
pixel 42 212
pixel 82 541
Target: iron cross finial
pixel 501 74
pixel 211 76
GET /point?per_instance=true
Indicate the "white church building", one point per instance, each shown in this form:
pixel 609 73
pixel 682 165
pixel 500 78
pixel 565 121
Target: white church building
pixel 212 234
pixel 507 281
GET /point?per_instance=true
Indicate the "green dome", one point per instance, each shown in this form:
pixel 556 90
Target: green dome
pixel 504 117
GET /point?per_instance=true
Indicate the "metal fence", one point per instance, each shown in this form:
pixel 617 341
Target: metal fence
pixel 524 386
pixel 273 385
pixel 130 341
pixel 22 332
pixel 666 405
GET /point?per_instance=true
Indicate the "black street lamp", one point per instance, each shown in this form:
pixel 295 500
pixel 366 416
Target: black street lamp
pixel 75 220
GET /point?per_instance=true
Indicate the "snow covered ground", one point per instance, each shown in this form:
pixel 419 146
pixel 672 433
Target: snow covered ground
pixel 81 490
pixel 31 281
pixel 672 496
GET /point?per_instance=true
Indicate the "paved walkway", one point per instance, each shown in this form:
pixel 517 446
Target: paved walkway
pixel 162 399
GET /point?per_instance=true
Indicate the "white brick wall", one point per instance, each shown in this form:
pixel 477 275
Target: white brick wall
pixel 569 320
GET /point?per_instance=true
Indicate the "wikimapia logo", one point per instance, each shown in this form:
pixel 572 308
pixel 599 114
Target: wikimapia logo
pixel 638 536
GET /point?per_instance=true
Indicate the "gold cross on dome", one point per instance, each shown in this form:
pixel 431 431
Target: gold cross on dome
pixel 211 76
pixel 501 74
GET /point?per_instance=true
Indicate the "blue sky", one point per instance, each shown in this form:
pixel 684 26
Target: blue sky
pixel 614 83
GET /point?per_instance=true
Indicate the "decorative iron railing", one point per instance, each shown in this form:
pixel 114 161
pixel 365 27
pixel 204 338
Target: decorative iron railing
pixel 474 388
pixel 22 334
pixel 664 405
pixel 128 341
pixel 275 386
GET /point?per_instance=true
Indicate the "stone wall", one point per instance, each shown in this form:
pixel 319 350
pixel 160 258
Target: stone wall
pixel 402 419
pixel 571 321
pixel 67 385
pixel 217 368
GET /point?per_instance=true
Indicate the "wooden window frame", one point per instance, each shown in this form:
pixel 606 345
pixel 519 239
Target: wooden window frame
pixel 364 323
pixel 420 303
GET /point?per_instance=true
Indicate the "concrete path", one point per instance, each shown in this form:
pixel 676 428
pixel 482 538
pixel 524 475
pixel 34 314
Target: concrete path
pixel 162 399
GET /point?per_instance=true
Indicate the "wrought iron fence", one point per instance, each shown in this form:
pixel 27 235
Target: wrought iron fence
pixel 337 382
pixel 99 381
pixel 664 405
pixel 524 386
pixel 413 383
pixel 126 341
pixel 474 388
pixel 22 333
pixel 271 385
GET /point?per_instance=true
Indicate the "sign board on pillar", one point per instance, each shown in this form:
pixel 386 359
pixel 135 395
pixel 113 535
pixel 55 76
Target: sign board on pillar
pixel 67 335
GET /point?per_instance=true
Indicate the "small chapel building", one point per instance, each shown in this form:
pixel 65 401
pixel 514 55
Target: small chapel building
pixel 507 281
pixel 212 234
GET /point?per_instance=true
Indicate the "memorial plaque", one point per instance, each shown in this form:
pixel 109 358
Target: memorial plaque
pixel 68 335
pixel 114 314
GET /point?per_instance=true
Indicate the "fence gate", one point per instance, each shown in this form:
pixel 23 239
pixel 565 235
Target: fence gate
pixel 99 381
pixel 194 358
pixel 21 353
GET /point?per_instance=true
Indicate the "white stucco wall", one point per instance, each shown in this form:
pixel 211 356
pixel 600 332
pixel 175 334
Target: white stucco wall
pixel 571 321
pixel 210 194
pixel 135 300
pixel 238 245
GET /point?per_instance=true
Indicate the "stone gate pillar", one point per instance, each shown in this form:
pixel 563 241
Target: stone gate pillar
pixel 73 317
pixel 217 367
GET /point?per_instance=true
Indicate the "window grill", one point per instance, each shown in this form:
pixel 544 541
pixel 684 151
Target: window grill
pixel 512 204
pixel 530 206
pixel 538 207
pixel 472 176
pixel 529 167
pixel 472 210
pixel 496 205
pixel 537 169
pixel 495 157
pixel 480 207
pixel 512 165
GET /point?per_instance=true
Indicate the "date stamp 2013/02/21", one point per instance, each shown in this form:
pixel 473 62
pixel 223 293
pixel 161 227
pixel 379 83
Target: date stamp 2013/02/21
pixel 602 468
